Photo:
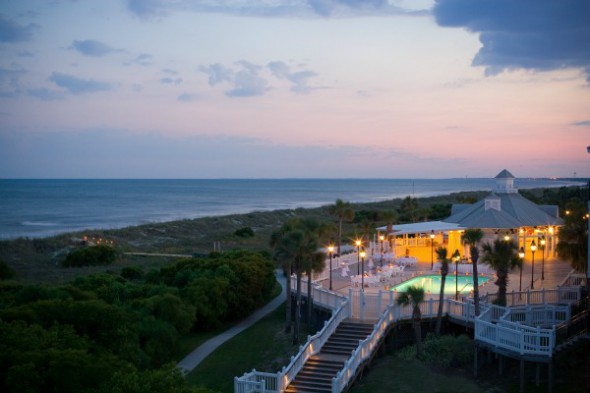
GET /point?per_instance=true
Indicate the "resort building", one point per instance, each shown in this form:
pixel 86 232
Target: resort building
pixel 504 214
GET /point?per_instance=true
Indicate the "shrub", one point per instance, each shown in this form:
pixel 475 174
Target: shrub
pixel 132 273
pixel 448 351
pixel 90 256
pixel 244 232
pixel 6 272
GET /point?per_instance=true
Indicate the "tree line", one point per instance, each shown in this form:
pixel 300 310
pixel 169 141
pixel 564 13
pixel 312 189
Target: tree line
pixel 109 333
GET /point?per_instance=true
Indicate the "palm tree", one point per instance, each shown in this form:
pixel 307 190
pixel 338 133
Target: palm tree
pixel 573 236
pixel 414 296
pixel 441 255
pixel 343 212
pixel 472 237
pixel 389 216
pixel 284 257
pixel 297 241
pixel 502 256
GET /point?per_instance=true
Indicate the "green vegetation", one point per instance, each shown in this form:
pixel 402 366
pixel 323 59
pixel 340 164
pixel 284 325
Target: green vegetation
pixel 108 333
pixel 117 327
pixel 296 246
pixel 6 272
pixel 90 256
pixel 502 256
pixel 414 296
pixel 244 232
pixel 264 347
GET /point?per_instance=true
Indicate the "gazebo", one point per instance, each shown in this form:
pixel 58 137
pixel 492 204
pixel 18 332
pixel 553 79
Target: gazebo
pixel 504 213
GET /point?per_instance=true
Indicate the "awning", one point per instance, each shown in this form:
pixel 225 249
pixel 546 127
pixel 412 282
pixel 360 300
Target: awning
pixel 423 227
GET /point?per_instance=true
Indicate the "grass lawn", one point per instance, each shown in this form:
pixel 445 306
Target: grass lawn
pixel 264 346
pixel 394 374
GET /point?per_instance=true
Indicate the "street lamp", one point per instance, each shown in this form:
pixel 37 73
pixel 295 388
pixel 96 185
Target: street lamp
pixel 381 239
pixel 358 256
pixel 506 237
pixel 362 253
pixel 542 245
pixel 521 256
pixel 456 256
pixel 330 253
pixel 533 249
pixel 432 249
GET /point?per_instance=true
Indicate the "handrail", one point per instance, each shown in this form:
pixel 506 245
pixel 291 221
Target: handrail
pixel 277 382
pixel 313 345
pixel 504 327
pixel 363 351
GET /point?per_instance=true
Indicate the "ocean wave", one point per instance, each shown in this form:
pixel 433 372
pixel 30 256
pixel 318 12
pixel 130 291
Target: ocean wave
pixel 39 224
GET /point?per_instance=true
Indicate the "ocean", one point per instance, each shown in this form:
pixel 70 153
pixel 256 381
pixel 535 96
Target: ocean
pixel 41 208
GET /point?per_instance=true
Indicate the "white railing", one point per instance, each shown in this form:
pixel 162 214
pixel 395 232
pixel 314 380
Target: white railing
pixel 321 297
pixel 510 328
pixel 275 383
pixel 539 315
pixel 561 295
pixel 255 381
pixel 363 351
pixel 573 279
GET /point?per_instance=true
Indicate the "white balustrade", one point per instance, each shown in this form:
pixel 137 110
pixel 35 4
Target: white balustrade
pixel 517 328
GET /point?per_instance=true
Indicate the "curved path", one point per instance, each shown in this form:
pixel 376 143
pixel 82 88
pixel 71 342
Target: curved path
pixel 193 359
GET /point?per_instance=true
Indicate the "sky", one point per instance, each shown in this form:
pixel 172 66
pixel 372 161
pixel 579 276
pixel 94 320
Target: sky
pixel 294 88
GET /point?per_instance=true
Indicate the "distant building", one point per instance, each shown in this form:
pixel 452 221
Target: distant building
pixel 504 213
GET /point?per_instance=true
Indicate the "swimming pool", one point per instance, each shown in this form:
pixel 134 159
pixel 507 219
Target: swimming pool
pixel 431 284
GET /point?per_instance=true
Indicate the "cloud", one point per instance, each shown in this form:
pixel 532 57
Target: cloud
pixel 583 123
pixel 45 94
pixel 171 81
pixel 187 97
pixel 539 35
pixel 245 81
pixel 272 9
pixel 10 86
pixel 150 8
pixel 11 32
pixel 93 48
pixel 299 79
pixel 217 73
pixel 249 79
pixel 25 53
pixel 77 85
pixel 144 59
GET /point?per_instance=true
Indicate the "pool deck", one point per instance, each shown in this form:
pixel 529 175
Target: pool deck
pixel 555 272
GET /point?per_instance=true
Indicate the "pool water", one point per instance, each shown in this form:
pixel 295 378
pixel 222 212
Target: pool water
pixel 431 284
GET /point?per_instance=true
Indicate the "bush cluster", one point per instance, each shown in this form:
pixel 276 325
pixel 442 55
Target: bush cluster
pixel 244 232
pixel 114 333
pixel 90 256
pixel 443 351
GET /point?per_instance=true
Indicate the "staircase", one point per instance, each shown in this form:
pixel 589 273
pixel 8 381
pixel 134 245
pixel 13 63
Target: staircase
pixel 317 373
pixel 346 337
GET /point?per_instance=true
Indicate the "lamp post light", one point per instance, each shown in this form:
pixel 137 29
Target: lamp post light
pixel 330 253
pixel 362 253
pixel 521 256
pixel 358 256
pixel 542 246
pixel 432 249
pixel 456 256
pixel 533 249
pixel 381 239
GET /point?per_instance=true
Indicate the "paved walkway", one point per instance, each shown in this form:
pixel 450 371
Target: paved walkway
pixel 193 359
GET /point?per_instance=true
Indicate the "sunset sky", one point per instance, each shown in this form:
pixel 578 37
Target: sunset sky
pixel 294 88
